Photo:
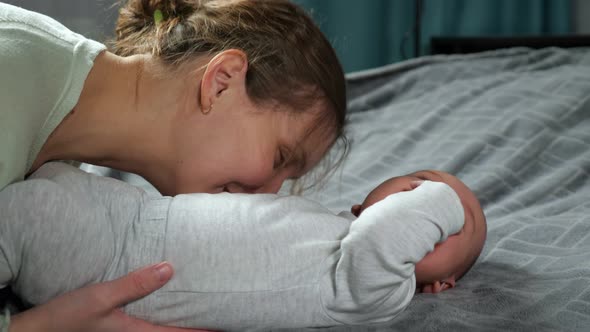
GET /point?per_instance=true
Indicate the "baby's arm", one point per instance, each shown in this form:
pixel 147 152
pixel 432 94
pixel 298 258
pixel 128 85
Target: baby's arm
pixel 257 261
pixel 374 278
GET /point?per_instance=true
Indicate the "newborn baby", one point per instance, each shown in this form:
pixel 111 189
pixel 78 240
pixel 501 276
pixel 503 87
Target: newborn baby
pixel 242 262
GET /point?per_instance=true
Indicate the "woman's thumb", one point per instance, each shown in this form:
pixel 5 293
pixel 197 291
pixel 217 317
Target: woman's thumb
pixel 137 284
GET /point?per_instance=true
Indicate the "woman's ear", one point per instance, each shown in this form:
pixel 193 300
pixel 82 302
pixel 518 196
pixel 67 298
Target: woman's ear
pixel 224 72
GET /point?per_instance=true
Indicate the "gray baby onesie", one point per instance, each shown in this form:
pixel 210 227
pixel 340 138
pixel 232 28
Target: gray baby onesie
pixel 242 262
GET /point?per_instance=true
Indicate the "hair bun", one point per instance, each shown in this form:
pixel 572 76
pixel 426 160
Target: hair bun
pixel 171 8
pixel 136 30
pixel 143 10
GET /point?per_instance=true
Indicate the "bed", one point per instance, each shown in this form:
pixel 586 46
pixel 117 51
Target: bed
pixel 514 125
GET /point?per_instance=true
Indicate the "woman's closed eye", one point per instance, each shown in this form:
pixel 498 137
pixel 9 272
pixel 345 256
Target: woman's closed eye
pixel 282 157
pixel 294 159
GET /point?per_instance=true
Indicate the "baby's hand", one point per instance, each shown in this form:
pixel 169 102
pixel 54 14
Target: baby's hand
pixel 358 208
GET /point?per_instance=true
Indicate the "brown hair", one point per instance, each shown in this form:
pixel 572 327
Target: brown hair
pixel 290 61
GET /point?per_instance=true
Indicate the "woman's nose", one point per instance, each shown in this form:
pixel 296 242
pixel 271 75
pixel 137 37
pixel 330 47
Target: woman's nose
pixel 270 186
pixel 273 185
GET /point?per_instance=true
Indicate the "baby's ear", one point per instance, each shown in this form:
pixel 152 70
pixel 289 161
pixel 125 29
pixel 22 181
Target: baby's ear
pixel 356 210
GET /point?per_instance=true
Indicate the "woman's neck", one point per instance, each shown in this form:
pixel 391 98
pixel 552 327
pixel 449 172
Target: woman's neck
pixel 118 121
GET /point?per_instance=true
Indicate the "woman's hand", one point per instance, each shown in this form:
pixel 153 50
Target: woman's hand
pixel 96 307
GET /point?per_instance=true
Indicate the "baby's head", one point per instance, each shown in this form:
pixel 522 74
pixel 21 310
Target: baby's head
pixel 451 259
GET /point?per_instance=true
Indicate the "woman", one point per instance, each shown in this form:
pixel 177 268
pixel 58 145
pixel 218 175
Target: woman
pixel 195 96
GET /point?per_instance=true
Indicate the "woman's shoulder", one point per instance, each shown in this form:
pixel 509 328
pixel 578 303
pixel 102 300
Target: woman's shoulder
pixel 44 66
pixel 20 23
pixel 29 35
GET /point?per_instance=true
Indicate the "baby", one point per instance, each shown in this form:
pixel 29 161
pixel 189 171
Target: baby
pixel 242 262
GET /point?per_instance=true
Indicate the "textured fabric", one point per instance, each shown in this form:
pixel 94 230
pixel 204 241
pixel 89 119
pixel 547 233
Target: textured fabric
pixel 514 125
pixel 4 321
pixel 242 262
pixel 43 66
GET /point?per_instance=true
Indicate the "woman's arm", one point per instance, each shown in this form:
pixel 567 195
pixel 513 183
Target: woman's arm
pixel 96 307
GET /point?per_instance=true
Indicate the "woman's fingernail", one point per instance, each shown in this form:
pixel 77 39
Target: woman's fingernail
pixel 164 271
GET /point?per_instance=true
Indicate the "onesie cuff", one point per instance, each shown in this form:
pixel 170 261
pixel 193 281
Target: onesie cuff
pixel 443 202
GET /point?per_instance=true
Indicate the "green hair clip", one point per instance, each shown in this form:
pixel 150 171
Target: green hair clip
pixel 158 16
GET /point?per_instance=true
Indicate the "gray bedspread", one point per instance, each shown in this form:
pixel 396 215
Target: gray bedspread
pixel 515 126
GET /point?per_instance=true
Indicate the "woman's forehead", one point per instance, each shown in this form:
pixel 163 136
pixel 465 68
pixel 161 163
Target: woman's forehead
pixel 311 149
pixel 316 136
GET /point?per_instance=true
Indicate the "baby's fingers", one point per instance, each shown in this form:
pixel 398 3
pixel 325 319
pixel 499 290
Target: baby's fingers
pixel 416 183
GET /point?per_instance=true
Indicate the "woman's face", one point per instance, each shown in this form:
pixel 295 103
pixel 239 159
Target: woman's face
pixel 221 140
pixel 246 148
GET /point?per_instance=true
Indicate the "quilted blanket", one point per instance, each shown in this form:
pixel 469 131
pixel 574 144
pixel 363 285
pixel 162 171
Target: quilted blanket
pixel 514 125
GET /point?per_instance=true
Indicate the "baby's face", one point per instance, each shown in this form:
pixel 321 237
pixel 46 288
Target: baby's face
pixel 450 259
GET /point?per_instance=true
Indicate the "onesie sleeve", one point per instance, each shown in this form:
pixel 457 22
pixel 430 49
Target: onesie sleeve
pixel 374 278
pixel 272 262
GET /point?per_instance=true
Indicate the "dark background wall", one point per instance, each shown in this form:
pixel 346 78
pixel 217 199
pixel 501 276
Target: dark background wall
pixel 370 33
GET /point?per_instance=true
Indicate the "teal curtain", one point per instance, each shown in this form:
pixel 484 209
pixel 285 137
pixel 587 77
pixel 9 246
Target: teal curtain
pixel 372 33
